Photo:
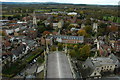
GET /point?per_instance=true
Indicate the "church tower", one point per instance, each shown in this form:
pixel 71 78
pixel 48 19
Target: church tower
pixel 34 19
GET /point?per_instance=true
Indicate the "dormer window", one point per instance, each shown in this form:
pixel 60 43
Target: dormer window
pixel 84 66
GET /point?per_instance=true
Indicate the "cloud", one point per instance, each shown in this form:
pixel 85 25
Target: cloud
pixel 108 2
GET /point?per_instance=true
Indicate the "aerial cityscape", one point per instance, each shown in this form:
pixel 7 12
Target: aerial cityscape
pixel 71 40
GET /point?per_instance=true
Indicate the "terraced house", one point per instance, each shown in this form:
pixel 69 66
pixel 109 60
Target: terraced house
pixel 66 39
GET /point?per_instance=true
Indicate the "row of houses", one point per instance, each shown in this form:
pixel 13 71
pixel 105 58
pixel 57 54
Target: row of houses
pixel 18 40
pixel 62 39
pixel 16 48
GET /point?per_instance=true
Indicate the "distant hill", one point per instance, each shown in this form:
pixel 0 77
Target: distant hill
pixel 32 3
pixel 53 3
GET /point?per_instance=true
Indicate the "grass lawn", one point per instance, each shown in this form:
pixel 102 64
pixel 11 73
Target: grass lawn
pixel 6 15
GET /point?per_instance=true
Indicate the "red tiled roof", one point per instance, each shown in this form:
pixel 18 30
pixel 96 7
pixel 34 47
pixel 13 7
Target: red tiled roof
pixel 13 24
pixel 7 53
pixel 6 43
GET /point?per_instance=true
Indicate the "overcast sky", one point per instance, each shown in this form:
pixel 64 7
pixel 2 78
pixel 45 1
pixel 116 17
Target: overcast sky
pixel 102 2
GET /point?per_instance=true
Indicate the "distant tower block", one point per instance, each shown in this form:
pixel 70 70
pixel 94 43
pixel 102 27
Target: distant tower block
pixel 95 27
pixel 34 19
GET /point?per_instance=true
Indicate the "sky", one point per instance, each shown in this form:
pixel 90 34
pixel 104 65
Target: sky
pixel 101 2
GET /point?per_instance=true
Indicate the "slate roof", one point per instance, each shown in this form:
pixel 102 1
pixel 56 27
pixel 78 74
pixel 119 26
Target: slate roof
pixel 19 50
pixel 30 43
pixel 67 37
pixel 113 57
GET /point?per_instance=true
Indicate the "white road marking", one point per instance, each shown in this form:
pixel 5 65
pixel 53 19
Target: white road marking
pixel 58 65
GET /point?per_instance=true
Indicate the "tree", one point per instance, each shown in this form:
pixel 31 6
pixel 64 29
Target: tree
pixel 60 46
pixel 53 48
pixel 40 23
pixel 75 47
pixel 88 22
pixel 82 32
pixel 66 25
pixel 88 29
pixel 101 31
pixel 84 52
pixel 40 60
pixel 41 28
pixel 18 16
pixel 72 26
pixel 72 53
pixel 102 25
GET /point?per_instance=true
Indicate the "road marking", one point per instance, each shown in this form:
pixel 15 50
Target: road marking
pixel 58 65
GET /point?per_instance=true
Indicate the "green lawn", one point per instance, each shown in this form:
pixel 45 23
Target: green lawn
pixel 6 15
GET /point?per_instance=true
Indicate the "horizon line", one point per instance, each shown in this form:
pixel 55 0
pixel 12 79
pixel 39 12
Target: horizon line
pixel 59 2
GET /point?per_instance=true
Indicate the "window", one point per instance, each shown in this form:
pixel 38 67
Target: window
pixel 102 67
pixel 84 66
pixel 97 68
pixel 94 73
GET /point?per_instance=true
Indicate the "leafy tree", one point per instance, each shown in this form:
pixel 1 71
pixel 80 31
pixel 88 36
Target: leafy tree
pixel 72 53
pixel 82 32
pixel 101 31
pixel 102 25
pixel 84 52
pixel 88 29
pixel 60 46
pixel 10 18
pixel 66 25
pixel 75 47
pixel 41 28
pixel 53 48
pixel 40 60
pixel 88 22
pixel 18 16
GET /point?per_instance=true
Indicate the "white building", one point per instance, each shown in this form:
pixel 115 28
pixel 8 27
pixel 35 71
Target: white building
pixel 95 27
pixel 21 22
pixel 60 24
pixel 17 29
pixel 96 66
pixel 55 25
pixel 74 29
pixel 72 13
pixel 10 31
pixel 82 26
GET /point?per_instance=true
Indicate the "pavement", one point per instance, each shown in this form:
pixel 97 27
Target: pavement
pixel 58 66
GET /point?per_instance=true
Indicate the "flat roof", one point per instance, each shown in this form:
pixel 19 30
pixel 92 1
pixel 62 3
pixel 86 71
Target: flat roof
pixel 58 66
